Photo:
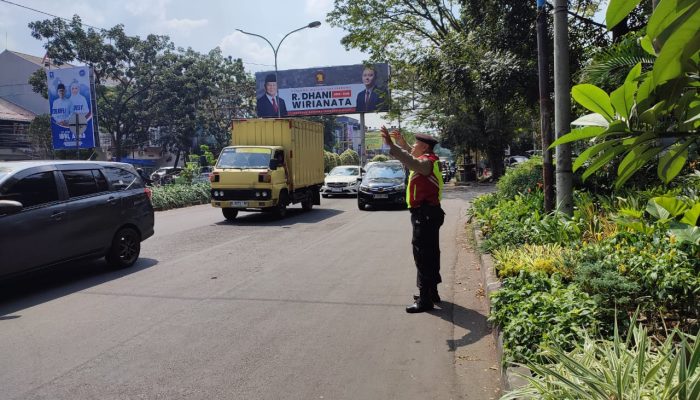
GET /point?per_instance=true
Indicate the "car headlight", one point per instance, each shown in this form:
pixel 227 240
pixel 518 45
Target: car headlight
pixel 264 194
pixel 364 188
pixel 400 187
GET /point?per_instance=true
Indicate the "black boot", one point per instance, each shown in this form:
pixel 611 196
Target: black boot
pixel 434 295
pixel 423 303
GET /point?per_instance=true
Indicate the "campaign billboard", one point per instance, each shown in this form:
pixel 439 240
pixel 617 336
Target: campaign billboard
pixel 70 103
pixel 348 89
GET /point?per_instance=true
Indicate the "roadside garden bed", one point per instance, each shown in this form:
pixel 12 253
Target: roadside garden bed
pixel 166 197
pixel 621 275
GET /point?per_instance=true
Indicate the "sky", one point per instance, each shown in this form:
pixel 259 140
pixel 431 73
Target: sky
pixel 202 25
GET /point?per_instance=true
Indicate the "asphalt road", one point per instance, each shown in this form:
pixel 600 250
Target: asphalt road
pixel 309 307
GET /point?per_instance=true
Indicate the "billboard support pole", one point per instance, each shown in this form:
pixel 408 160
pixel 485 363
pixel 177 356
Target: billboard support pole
pixel 363 130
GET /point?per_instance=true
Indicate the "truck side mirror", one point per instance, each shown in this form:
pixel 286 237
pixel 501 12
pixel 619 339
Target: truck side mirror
pixel 273 164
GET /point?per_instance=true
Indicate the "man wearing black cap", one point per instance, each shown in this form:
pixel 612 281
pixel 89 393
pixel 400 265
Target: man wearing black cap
pixel 423 194
pixel 270 104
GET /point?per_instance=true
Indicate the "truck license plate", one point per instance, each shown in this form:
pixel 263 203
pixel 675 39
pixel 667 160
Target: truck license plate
pixel 239 204
pixel 381 196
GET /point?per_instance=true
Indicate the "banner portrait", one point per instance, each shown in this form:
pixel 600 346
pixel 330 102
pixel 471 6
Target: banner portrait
pixel 70 103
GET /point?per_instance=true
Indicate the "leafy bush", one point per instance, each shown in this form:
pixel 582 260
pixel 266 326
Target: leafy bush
pixel 547 258
pixel 174 196
pixel 329 161
pixel 634 270
pixel 349 157
pixel 635 368
pixel 380 157
pixel 535 309
pixel 524 178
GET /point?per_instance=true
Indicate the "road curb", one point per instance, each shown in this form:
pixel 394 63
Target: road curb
pixel 511 377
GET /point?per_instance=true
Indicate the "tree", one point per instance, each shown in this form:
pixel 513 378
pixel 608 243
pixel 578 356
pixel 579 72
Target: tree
pixel 654 114
pixel 40 135
pixel 467 70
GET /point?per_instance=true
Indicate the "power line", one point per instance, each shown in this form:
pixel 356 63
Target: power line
pixel 49 14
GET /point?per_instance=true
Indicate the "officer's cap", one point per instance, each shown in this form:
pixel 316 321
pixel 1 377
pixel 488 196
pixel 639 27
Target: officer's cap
pixel 426 139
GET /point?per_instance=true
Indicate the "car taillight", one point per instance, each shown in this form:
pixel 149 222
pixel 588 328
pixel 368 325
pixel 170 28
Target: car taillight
pixel 149 193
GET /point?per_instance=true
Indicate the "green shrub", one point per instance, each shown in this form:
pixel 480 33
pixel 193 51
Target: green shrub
pixel 535 309
pixel 547 258
pixel 380 157
pixel 349 157
pixel 635 270
pixel 524 178
pixel 329 161
pixel 635 367
pixel 174 196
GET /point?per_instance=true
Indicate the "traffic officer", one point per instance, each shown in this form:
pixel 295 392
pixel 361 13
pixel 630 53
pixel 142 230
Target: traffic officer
pixel 423 194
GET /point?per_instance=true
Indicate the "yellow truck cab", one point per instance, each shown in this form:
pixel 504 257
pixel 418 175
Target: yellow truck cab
pixel 272 163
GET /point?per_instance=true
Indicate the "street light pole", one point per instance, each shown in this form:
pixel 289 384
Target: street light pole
pixel 314 24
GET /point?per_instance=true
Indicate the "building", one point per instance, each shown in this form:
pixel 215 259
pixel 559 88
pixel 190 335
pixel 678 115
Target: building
pixel 19 104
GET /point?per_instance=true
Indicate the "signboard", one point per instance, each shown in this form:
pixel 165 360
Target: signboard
pixel 345 89
pixel 70 105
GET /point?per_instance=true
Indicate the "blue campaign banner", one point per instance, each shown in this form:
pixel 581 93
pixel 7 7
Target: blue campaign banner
pixel 348 89
pixel 70 108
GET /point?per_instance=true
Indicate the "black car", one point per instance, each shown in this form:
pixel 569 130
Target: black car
pixel 56 211
pixel 384 183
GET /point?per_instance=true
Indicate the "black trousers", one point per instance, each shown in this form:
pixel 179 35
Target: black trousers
pixel 426 221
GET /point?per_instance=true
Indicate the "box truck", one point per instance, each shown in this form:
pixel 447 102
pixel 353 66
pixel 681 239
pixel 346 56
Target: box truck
pixel 271 164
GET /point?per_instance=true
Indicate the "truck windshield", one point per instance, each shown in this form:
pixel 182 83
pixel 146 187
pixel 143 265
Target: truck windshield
pixel 244 157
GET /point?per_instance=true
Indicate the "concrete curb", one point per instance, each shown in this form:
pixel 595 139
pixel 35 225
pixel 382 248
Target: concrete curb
pixel 510 376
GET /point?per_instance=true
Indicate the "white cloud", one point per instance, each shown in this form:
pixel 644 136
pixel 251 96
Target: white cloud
pixel 184 24
pixel 318 7
pixel 153 8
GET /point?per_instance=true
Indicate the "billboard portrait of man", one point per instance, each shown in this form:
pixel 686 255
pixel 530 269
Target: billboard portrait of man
pixel 60 106
pixel 270 104
pixel 371 98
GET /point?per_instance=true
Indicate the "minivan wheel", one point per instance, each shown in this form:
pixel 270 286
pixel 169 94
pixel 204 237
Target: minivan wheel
pixel 230 213
pixel 125 249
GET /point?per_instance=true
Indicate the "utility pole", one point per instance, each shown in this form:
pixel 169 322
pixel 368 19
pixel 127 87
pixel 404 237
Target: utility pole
pixel 545 106
pixel 562 106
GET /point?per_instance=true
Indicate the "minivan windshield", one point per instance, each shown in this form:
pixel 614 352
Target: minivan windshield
pixel 244 157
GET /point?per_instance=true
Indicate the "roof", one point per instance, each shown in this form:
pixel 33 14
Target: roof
pixel 12 112
pixel 38 60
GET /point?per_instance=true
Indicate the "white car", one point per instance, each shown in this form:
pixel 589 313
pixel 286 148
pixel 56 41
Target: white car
pixel 341 180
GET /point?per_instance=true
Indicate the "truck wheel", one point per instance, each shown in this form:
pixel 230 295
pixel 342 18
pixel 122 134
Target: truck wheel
pixel 308 202
pixel 125 248
pixel 230 213
pixel 281 209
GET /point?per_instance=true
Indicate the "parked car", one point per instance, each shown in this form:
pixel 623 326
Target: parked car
pixel 341 180
pixel 384 183
pixel 512 160
pixel 165 175
pixel 56 211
